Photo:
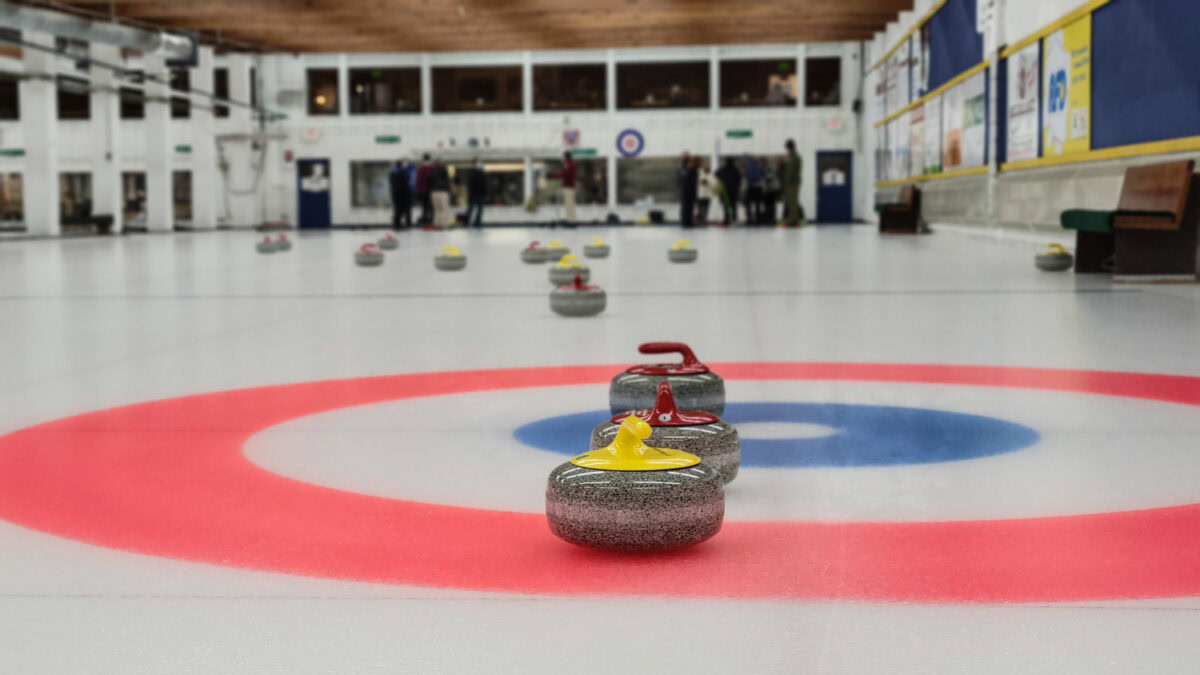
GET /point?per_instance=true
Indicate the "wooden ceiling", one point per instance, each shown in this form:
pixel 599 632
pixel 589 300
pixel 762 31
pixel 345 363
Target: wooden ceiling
pixel 470 25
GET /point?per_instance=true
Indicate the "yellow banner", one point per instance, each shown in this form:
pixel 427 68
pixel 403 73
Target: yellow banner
pixel 1067 89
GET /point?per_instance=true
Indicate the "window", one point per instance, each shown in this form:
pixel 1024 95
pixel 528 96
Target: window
pixel 322 91
pixel 591 182
pixel 758 83
pixel 181 106
pixel 646 181
pixel 369 185
pixel 505 180
pixel 133 194
pixel 382 91
pixel 74 103
pixel 10 97
pixel 181 193
pixel 254 87
pixel 662 85
pixel 575 87
pixel 823 81
pixel 11 198
pixel 75 197
pixel 483 89
pixel 133 98
pixel 221 90
pixel 73 49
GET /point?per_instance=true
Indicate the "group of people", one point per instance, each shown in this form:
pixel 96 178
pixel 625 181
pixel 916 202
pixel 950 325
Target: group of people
pixel 430 185
pixel 757 185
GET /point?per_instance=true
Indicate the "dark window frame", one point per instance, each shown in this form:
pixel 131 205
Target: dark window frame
pixel 811 94
pixel 542 75
pixel 759 72
pixel 503 77
pixel 330 108
pixel 368 77
pixel 628 100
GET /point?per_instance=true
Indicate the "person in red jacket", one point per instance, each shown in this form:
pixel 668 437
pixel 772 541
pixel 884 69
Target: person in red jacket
pixel 424 174
pixel 568 174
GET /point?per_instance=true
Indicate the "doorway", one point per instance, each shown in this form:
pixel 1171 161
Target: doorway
pixel 835 181
pixel 312 179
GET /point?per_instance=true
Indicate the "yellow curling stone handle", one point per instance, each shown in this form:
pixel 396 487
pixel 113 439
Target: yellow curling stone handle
pixel 449 250
pixel 597 241
pixel 555 243
pixel 629 452
pixel 682 244
pixel 568 261
pixel 1056 249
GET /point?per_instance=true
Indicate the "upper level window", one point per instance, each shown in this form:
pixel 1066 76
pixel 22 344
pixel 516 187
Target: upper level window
pixel 322 91
pixel 74 103
pixel 765 82
pixel 682 84
pixel 181 81
pixel 570 87
pixel 10 97
pixel 221 90
pixel 477 89
pixel 823 81
pixel 380 91
pixel 133 99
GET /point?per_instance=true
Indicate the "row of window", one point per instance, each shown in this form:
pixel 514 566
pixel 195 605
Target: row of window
pixel 75 197
pixel 681 84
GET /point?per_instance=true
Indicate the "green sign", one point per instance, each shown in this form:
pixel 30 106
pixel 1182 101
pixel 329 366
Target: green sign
pixel 183 149
pixel 583 152
pixel 12 152
pixel 739 133
pixel 387 140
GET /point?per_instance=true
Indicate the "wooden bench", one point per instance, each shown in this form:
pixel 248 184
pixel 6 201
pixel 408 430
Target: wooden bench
pixel 902 216
pixel 1151 236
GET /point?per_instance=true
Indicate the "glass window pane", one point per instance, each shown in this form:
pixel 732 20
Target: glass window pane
pixel 376 91
pixel 591 181
pixel 221 90
pixel 369 185
pixel 645 181
pixel 75 197
pixel 505 180
pixel 10 97
pixel 74 103
pixel 181 80
pixel 11 199
pixel 133 194
pixel 181 193
pixel 681 84
pixel 322 91
pixel 823 81
pixel 765 82
pixel 477 89
pixel 572 87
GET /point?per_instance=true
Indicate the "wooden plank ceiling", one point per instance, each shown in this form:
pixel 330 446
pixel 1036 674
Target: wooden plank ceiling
pixel 469 25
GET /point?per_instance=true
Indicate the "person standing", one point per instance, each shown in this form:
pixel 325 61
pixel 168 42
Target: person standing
pixel 424 173
pixel 687 193
pixel 770 192
pixel 704 193
pixel 401 196
pixel 754 191
pixel 568 174
pixel 791 186
pixel 439 192
pixel 731 188
pixel 476 194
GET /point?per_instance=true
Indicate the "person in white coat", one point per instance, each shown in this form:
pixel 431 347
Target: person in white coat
pixel 704 193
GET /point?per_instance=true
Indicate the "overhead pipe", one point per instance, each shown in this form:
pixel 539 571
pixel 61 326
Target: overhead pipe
pixel 169 45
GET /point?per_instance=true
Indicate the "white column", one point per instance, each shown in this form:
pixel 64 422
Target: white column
pixel 612 182
pixel 426 86
pixel 243 207
pixel 343 87
pixel 610 80
pixel 527 82
pixel 204 145
pixel 106 130
pixel 160 202
pixel 801 74
pixel 39 126
pixel 714 78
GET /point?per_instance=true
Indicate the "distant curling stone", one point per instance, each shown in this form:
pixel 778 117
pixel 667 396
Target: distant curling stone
pixel 1054 259
pixel 266 246
pixel 695 386
pixel 450 259
pixel 555 250
pixel 566 270
pixel 389 243
pixel 578 299
pixel 695 431
pixel 682 252
pixel 368 256
pixel 533 254
pixel 596 248
pixel 283 243
pixel 632 497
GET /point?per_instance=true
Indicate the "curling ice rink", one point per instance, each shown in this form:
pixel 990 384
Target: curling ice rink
pixel 951 462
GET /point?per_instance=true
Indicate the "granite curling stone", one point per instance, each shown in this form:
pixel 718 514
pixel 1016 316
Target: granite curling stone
pixel 450 259
pixel 633 497
pixel 283 243
pixel 578 299
pixel 694 385
pixel 534 255
pixel 694 431
pixel 682 252
pixel 596 248
pixel 389 243
pixel 266 246
pixel 566 270
pixel 1054 259
pixel 556 250
pixel 368 256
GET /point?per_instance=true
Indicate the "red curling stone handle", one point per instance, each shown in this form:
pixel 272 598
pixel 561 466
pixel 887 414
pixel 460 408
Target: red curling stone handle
pixel 689 357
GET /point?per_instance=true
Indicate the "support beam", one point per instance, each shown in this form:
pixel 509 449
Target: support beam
pixel 241 174
pixel 107 199
pixel 39 126
pixel 160 200
pixel 204 145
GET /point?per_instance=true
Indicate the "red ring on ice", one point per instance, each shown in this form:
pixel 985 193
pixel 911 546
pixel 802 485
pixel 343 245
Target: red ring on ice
pixel 168 478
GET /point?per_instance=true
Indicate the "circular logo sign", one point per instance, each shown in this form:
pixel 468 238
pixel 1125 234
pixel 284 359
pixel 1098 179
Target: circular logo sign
pixel 630 143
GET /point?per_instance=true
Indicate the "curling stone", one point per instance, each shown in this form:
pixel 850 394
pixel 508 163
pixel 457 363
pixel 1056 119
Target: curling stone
pixel 695 386
pixel 450 259
pixel 578 299
pixel 267 246
pixel 556 249
pixel 702 434
pixel 596 248
pixel 632 497
pixel 389 243
pixel 283 243
pixel 682 252
pixel 533 254
pixel 1054 259
pixel 368 256
pixel 566 270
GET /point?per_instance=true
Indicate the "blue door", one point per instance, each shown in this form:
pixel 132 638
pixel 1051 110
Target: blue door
pixel 312 177
pixel 834 187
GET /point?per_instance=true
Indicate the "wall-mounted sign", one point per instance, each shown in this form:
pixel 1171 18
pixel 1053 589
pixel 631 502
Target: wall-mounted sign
pixel 739 133
pixel 1023 69
pixel 630 143
pixel 183 149
pixel 1067 89
pixel 570 138
pixel 387 140
pixel 12 152
pixel 584 152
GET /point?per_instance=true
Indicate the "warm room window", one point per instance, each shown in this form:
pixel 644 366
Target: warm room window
pixel 477 89
pixel 75 197
pixel 650 86
pixel 369 185
pixel 385 91
pixel 823 81
pixel 646 181
pixel 181 193
pixel 591 185
pixel 767 82
pixel 505 180
pixel 322 91
pixel 569 87
pixel 11 198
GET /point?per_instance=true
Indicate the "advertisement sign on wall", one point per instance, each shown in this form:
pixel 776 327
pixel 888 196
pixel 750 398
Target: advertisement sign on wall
pixel 1023 69
pixel 933 135
pixel 903 156
pixel 952 128
pixel 897 80
pixel 1067 89
pixel 974 125
pixel 916 141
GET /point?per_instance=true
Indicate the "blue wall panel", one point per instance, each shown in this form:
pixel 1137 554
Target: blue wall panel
pixel 954 45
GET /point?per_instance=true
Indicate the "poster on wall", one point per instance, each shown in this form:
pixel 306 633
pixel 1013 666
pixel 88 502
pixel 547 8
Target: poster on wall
pixel 916 141
pixel 974 123
pixel 952 129
pixel 933 136
pixel 917 66
pixel 897 79
pixel 922 74
pixel 1023 68
pixel 881 156
pixel 1067 89
pixel 880 108
pixel 903 155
